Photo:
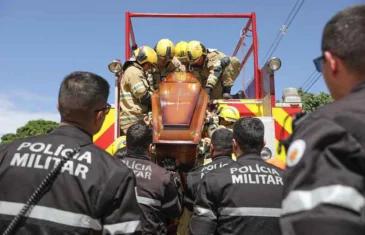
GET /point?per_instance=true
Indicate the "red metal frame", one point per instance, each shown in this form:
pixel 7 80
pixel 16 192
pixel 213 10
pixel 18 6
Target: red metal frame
pixel 250 26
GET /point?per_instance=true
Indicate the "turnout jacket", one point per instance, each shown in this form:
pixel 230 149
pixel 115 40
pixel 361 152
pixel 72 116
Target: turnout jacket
pixel 195 176
pixel 324 189
pixel 241 198
pixel 157 193
pixel 93 194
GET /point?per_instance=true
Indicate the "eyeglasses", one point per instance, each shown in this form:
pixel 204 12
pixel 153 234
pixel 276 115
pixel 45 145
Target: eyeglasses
pixel 106 109
pixel 318 63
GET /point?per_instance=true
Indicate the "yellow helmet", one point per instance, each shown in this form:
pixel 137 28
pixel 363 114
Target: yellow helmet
pixel 195 50
pixel 165 48
pixel 181 50
pixel 119 143
pixel 145 54
pixel 229 113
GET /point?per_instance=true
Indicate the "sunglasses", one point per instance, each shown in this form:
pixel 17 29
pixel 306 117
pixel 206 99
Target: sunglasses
pixel 318 63
pixel 106 109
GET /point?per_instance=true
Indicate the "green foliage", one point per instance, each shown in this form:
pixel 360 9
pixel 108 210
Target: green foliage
pixel 32 128
pixel 313 101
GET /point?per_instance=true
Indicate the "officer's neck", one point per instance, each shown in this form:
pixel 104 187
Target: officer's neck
pixel 220 153
pixel 77 125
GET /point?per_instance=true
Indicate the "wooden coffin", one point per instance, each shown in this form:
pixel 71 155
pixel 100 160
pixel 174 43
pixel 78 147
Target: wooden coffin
pixel 178 112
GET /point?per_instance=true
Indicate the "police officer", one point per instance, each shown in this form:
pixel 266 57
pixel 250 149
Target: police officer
pixel 93 194
pixel 157 188
pixel 181 53
pixel 216 71
pixel 243 197
pixel 220 152
pixel 167 62
pixel 324 181
pixel 135 90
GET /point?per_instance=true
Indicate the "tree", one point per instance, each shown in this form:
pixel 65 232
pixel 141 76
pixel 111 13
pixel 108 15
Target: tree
pixel 32 128
pixel 313 101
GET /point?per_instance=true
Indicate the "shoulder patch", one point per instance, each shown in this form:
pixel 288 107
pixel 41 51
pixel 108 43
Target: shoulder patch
pixel 295 152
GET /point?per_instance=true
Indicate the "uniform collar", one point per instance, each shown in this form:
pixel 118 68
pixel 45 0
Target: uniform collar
pixel 220 157
pixel 358 87
pixel 249 156
pixel 135 64
pixel 72 131
pixel 139 156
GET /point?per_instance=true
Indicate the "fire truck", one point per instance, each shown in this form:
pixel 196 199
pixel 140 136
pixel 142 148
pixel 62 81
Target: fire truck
pixel 259 92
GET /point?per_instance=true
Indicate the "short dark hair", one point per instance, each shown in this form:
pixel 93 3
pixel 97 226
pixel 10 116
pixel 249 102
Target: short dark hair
pixel 121 153
pixel 80 94
pixel 139 137
pixel 249 133
pixel 344 36
pixel 222 141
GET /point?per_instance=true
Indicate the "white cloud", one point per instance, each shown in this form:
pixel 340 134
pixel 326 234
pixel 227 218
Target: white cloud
pixel 30 97
pixel 12 117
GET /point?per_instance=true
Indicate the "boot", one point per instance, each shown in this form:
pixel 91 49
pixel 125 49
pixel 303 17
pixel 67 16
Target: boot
pixel 226 93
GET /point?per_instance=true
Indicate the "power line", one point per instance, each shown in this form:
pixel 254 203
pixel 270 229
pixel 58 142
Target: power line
pixel 308 79
pixel 282 31
pixel 317 78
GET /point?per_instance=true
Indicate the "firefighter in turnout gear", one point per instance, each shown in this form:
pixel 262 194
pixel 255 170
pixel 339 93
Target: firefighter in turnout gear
pixel 135 90
pixel 94 192
pixel 167 62
pixel 216 71
pixel 157 190
pixel 225 117
pixel 181 53
pixel 324 181
pixel 243 197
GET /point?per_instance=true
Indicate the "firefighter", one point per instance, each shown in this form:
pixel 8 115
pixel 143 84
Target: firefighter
pixel 157 190
pixel 225 117
pixel 324 180
pixel 135 91
pixel 216 71
pixel 243 197
pixel 167 62
pixel 93 194
pixel 119 143
pixel 181 53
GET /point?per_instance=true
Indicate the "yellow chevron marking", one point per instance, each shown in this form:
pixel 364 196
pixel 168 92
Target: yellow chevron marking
pixel 279 115
pixel 109 120
pixel 109 149
pixel 256 109
pixel 282 155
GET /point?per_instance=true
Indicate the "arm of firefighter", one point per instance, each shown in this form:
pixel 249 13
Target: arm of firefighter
pixel 173 197
pixel 122 211
pixel 139 85
pixel 174 66
pixel 324 182
pixel 204 220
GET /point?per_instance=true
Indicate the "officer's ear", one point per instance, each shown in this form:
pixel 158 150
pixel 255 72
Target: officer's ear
pixel 234 144
pixel 150 148
pixel 211 149
pixel 264 143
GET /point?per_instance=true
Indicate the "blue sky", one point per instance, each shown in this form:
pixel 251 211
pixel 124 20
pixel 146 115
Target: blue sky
pixel 42 41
